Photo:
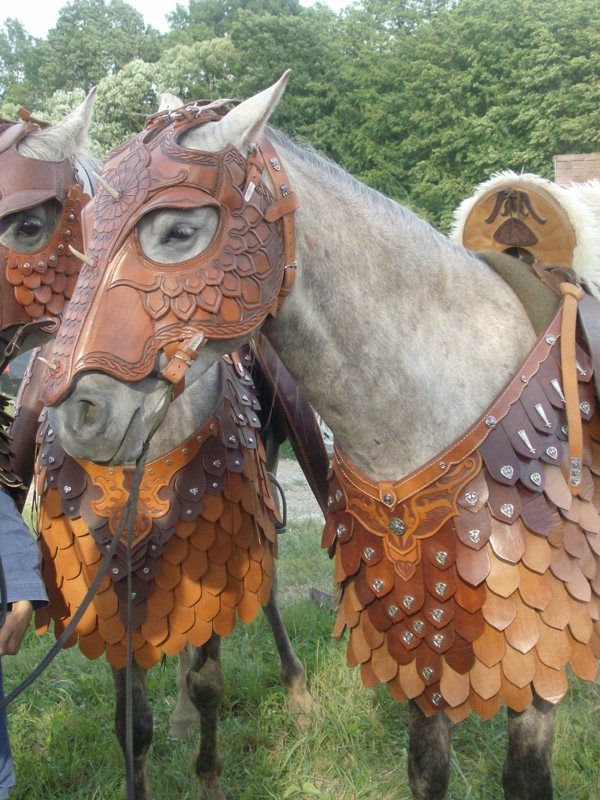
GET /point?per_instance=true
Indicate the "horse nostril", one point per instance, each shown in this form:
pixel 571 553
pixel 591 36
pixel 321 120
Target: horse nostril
pixel 89 417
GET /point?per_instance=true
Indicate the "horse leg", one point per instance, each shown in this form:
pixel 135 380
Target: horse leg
pixel 428 754
pixel 142 726
pixel 185 717
pixel 205 687
pixel 527 773
pixel 293 674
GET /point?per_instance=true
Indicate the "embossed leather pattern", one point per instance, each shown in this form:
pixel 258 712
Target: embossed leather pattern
pixel 202 546
pixel 224 292
pixel 481 583
pixel 39 283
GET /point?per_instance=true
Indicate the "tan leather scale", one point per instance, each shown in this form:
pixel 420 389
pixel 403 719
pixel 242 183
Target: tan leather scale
pixel 476 579
pixel 224 292
pixel 202 545
pixel 37 285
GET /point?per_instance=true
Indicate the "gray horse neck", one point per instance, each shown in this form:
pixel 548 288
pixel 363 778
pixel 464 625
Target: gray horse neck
pixel 399 338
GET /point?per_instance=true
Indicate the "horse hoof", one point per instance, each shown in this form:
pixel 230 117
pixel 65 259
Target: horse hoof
pixel 210 788
pixel 301 705
pixel 182 727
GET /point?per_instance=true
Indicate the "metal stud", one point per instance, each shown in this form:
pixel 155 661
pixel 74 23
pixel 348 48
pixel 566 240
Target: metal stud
pixel 217 463
pixel 427 673
pixel 557 388
pixel 436 699
pixel 189 512
pixel 388 498
pixel 67 489
pixel 507 509
pixel 475 535
pixel 491 422
pixel 52 259
pixel 51 459
pixel 150 472
pixel 442 465
pixel 215 485
pixel 585 407
pixel 71 217
pixel 133 595
pixel 524 378
pixel 525 438
pixel 115 570
pixel 393 610
pixel 536 478
pixel 330 502
pixel 550 338
pixel 507 471
pixel 377 584
pixel 169 462
pixel 437 614
pixel 232 439
pixel 185 451
pixel 441 588
pixel 441 557
pixel 341 530
pixel 237 462
pixel 552 452
pixel 397 526
pixel 250 440
pixel 71 508
pixel 27 267
pixel 339 495
pixel 419 625
pixel 471 498
pixel 153 547
pixel 438 639
pixel 540 410
pixel 408 637
pixel 51 433
pixel 408 601
pixel 111 471
pixel 146 570
pixel 369 552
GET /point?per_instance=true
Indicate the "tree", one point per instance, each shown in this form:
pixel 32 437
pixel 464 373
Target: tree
pixel 18 62
pixel 207 18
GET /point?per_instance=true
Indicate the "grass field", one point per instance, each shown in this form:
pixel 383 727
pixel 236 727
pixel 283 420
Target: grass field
pixel 354 748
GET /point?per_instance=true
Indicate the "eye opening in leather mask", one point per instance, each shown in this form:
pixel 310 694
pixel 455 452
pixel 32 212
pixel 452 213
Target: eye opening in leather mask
pixel 30 229
pixel 173 235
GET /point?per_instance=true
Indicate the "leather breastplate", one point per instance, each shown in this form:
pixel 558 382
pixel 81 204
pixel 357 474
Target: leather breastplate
pixel 202 546
pixel 476 578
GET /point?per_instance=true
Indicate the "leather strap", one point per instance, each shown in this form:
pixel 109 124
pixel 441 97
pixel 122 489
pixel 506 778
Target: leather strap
pixel 572 295
pixel 181 356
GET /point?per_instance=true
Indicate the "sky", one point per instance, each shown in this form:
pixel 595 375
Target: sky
pixel 39 15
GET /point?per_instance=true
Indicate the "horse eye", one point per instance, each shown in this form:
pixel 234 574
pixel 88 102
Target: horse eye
pixel 181 233
pixel 30 226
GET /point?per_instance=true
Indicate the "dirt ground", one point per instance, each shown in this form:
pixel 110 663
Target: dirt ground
pixel 301 503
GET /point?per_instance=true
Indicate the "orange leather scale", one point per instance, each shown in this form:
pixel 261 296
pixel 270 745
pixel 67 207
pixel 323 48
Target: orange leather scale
pixel 224 292
pixel 476 579
pixel 41 282
pixel 202 546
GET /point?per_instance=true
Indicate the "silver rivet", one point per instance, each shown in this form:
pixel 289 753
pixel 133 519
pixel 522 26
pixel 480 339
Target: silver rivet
pixel 369 552
pixel 236 463
pixel 442 465
pixel 341 530
pixel 50 432
pixel 212 427
pixel 146 570
pixel 393 610
pixel 185 451
pixel 524 378
pixel 330 502
pixel 408 637
pixel 475 535
pixel 507 509
pixel 441 588
pixel 189 512
pixel 419 625
pixel 150 472
pixel 471 498
pixel 377 584
pixel 441 557
pixel 66 489
pixel 491 422
pixel 217 463
pixel 71 218
pixel 51 459
pixel 585 407
pixel 27 266
pixel 169 462
pixel 438 639
pixel 241 417
pixel 248 359
pixel 408 601
pixel 550 338
pixel 111 471
pixel 552 452
pixel 536 478
pixel 215 485
pixel 115 570
pixel 153 547
pixel 52 259
pixel 194 490
pixel 427 673
pixel 437 614
pixel 71 508
pixel 339 495
pixel 245 397
pixel 397 526
pixel 232 439
pixel 507 471
pixel 133 595
pixel 250 440
pixel 436 698
pixel 388 498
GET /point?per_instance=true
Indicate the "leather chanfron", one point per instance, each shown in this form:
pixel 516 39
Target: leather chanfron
pixel 224 292
pixel 482 584
pixel 202 545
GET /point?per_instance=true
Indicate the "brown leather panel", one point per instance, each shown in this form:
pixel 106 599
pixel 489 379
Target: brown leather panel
pixel 197 558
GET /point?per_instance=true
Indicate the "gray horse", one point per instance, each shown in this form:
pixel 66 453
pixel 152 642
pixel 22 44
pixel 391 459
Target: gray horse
pixel 398 337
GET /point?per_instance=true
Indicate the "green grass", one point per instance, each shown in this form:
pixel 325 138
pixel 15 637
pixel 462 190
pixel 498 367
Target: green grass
pixel 354 748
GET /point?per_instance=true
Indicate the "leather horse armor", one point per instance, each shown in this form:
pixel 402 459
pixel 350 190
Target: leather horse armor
pixel 36 286
pixel 204 537
pixel 476 578
pixel 202 545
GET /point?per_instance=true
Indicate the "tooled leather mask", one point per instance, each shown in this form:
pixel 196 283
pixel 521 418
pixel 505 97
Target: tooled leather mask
pixel 37 285
pixel 126 307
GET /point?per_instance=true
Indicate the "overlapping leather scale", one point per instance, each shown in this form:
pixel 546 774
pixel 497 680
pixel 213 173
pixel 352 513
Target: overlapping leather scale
pixel 202 547
pixel 472 593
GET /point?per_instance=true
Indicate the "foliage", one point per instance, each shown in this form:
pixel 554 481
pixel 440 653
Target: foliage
pixel 421 99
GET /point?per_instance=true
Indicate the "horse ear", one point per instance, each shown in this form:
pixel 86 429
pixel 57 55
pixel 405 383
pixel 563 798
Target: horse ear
pixel 168 102
pixel 243 125
pixel 64 139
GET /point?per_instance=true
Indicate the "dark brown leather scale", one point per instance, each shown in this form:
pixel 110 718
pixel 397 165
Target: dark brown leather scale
pixel 202 546
pixel 476 579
